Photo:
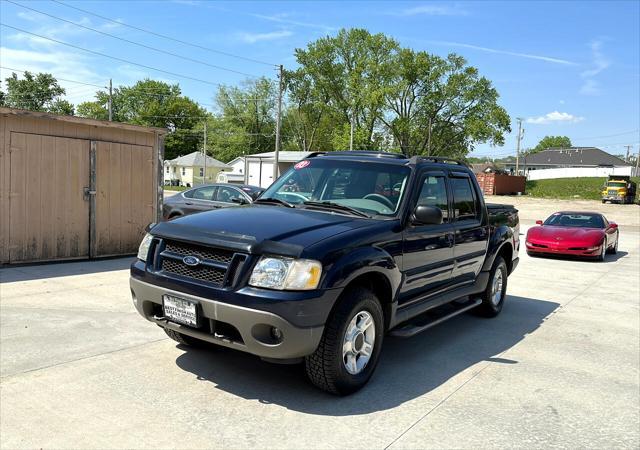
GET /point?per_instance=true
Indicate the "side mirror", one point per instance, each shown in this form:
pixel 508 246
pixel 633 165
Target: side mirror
pixel 427 215
pixel 240 201
pixel 538 222
pixel 613 225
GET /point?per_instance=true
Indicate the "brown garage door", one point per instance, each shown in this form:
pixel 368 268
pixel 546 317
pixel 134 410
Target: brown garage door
pixel 49 215
pixel 125 196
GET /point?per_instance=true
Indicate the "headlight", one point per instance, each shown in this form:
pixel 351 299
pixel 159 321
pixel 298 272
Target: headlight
pixel 286 273
pixel 143 250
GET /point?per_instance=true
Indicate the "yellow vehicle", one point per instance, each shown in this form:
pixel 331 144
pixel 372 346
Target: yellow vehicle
pixel 619 189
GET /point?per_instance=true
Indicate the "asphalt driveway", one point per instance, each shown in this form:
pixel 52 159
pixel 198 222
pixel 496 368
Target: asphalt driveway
pixel 558 368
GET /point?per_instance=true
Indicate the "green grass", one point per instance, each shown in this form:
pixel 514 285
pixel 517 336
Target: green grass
pixel 567 188
pixel 174 188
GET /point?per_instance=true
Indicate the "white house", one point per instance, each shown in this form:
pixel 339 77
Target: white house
pixel 257 169
pixel 189 170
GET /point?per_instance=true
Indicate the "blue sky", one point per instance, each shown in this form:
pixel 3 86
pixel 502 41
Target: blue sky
pixel 570 68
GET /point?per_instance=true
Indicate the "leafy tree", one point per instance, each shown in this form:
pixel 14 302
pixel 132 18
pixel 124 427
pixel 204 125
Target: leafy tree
pixel 39 92
pixel 444 101
pixel 552 142
pixel 245 121
pixel 154 104
pixel 349 71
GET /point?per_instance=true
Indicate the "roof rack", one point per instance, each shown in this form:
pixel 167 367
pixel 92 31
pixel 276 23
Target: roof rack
pixel 437 159
pixel 370 153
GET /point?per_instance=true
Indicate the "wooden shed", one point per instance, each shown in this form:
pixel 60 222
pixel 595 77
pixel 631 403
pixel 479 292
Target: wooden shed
pixel 74 188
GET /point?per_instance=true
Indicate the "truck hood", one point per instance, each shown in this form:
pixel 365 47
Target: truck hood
pixel 260 229
pixel 568 235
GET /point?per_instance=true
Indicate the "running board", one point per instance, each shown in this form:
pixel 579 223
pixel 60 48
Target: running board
pixel 411 329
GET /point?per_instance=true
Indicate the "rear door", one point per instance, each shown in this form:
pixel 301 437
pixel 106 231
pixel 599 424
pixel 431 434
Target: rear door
pixel 471 231
pixel 427 260
pixel 200 199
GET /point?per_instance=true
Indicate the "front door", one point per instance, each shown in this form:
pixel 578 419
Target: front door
pixel 428 252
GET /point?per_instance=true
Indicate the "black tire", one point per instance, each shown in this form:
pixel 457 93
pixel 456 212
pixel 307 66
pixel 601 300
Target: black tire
pixel 325 367
pixel 488 308
pixel 181 338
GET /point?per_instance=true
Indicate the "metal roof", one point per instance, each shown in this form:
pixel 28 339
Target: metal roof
pixel 283 156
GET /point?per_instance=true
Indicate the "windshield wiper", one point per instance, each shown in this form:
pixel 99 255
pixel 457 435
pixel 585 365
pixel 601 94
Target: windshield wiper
pixel 338 207
pixel 275 201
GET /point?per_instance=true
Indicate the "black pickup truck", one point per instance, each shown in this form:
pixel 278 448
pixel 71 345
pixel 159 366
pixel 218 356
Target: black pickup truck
pixel 343 249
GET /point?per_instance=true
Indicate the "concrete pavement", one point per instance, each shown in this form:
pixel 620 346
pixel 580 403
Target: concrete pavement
pixel 558 368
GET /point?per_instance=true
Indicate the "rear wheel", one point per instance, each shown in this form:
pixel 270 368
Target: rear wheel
pixel 493 296
pixel 181 338
pixel 350 346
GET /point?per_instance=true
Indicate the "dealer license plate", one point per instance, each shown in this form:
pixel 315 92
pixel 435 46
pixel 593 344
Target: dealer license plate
pixel 180 310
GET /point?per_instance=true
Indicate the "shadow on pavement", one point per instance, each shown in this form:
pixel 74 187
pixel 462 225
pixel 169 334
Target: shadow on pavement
pixel 10 274
pixel 408 368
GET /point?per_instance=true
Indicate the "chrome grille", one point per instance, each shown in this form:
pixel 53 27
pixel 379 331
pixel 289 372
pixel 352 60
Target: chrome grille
pixel 201 272
pixel 212 254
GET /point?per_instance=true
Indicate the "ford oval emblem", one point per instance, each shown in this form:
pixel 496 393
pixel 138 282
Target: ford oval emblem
pixel 191 260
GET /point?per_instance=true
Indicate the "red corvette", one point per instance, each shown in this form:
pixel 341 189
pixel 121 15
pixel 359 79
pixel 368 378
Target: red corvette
pixel 573 233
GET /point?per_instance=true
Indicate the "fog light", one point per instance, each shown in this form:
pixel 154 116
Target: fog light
pixel 276 333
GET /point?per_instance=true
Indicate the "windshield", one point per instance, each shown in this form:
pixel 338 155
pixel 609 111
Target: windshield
pixel 616 184
pixel 575 220
pixel 372 188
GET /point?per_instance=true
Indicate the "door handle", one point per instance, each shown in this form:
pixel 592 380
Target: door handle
pixel 188 203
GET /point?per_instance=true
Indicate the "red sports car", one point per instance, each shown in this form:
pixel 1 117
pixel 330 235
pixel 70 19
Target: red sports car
pixel 573 233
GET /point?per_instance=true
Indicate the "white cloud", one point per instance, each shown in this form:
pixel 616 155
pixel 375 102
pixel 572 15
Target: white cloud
pixel 505 52
pixel 432 10
pixel 252 38
pixel 599 63
pixel 555 117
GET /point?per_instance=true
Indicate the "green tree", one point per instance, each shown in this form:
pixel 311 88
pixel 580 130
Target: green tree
pixel 245 120
pixel 552 142
pixel 39 92
pixel 349 70
pixel 441 106
pixel 154 104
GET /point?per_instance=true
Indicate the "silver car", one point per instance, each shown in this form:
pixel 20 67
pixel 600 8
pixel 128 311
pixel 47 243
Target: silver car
pixel 208 197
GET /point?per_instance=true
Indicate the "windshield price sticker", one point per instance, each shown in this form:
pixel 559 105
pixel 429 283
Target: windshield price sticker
pixel 302 164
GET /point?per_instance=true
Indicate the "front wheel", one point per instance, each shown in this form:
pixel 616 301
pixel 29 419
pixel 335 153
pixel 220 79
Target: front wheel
pixel 350 346
pixel 493 296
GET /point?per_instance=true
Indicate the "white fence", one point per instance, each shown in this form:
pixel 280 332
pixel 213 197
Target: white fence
pixel 579 172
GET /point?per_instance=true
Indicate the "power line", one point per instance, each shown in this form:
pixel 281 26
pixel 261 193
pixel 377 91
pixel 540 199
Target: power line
pixel 231 55
pixel 60 79
pixel 186 58
pixel 608 136
pixel 112 57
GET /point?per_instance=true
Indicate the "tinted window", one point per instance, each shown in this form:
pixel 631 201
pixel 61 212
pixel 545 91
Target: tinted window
pixel 373 188
pixel 575 220
pixel 463 202
pixel 227 194
pixel 205 193
pixel 434 193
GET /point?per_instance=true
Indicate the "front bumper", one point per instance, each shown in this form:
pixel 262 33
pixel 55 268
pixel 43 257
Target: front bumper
pixel 252 325
pixel 558 250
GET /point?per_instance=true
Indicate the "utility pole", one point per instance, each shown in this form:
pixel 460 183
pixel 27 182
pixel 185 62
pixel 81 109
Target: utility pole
pixel 518 144
pixel 628 147
pixel 204 178
pixel 278 122
pixel 351 134
pixel 110 100
pixel 637 160
pixel 429 139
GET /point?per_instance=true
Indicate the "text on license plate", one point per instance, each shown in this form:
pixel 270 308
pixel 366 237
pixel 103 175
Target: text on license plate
pixel 180 310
